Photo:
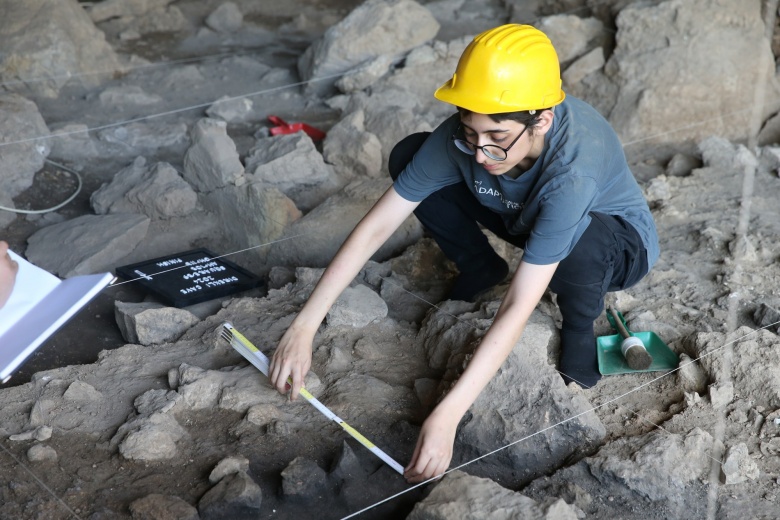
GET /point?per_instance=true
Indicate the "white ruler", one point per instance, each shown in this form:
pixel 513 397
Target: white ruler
pixel 244 347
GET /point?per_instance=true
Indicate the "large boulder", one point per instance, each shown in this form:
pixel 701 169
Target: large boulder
pixel 526 399
pixel 157 191
pixel 327 226
pixel 22 126
pixel 86 244
pixel 47 43
pixel 374 28
pixel 686 61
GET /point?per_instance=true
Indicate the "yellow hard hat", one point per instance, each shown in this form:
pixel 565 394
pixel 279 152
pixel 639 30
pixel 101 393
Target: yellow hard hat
pixel 506 69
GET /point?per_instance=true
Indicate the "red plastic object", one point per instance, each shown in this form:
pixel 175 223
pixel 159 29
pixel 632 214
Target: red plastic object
pixel 282 127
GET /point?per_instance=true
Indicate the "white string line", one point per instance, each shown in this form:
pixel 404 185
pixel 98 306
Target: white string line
pixel 40 482
pixel 58 206
pixel 121 69
pixel 169 112
pixel 213 258
pixel 593 409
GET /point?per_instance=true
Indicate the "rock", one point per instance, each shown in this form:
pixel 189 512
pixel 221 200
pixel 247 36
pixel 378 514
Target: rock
pixel 230 109
pixel 691 375
pixel 590 62
pixel 108 9
pixel 570 34
pixel 526 394
pixel 150 438
pixel 292 164
pixel 20 121
pixel 391 125
pixel 212 161
pixel 153 401
pixel 374 28
pixel 72 143
pixel 649 465
pixel 356 307
pixel 352 150
pixel 738 466
pixel 81 391
pixel 139 137
pixel 681 165
pixel 460 495
pixel 6 217
pixel 41 453
pixel 228 466
pixel 157 191
pixel 41 433
pixel 49 43
pixel 328 225
pixel 120 96
pixel 252 214
pixel 767 316
pixel 657 82
pixel 226 18
pixel 162 507
pixel 721 394
pixel 87 244
pixel 235 496
pixel 365 75
pixel 347 466
pixel 303 479
pixel 152 323
pixel 658 191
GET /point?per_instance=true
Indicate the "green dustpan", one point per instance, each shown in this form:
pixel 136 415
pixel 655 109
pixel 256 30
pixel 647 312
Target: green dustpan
pixel 611 360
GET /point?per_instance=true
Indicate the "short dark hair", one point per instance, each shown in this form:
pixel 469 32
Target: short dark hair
pixel 529 118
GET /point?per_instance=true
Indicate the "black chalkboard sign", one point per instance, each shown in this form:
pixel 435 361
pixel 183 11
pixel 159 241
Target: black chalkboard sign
pixel 191 277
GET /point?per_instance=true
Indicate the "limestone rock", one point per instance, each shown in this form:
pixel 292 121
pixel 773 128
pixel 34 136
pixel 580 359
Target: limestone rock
pixel 108 9
pixel 228 466
pixel 81 391
pixel 374 28
pixel 146 136
pixel 590 62
pixel 20 121
pixel 151 437
pixel 649 465
pixel 738 466
pixel 157 191
pixel 658 83
pixel 302 479
pixel 460 495
pixel 152 323
pixel 252 214
pixel 212 160
pixel 230 109
pixel 235 496
pixel 87 244
pixel 226 18
pixel 328 225
pixel 357 307
pixel 41 453
pixel 352 150
pixel 162 507
pixel 123 95
pixel 49 43
pixel 292 164
pixel 570 34
pixel 526 394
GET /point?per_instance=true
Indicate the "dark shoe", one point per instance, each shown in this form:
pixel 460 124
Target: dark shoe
pixel 579 361
pixel 473 283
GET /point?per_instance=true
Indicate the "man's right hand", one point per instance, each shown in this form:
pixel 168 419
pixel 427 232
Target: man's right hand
pixel 291 360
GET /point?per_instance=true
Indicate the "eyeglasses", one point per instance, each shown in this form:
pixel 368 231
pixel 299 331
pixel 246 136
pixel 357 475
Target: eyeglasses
pixel 491 151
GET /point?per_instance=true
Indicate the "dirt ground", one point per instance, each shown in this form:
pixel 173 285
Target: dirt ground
pixel 685 295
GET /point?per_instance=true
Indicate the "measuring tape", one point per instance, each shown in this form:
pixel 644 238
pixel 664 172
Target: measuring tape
pixel 244 347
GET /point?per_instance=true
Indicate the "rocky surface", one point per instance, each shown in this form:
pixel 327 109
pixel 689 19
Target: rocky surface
pixel 162 107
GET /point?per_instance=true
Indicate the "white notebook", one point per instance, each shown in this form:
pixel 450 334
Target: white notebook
pixel 40 304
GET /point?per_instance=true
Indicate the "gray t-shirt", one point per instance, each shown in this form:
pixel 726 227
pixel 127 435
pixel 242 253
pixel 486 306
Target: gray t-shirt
pixel 582 168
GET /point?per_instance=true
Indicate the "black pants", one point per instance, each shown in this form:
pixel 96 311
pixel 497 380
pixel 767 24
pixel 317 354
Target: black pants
pixel 610 256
